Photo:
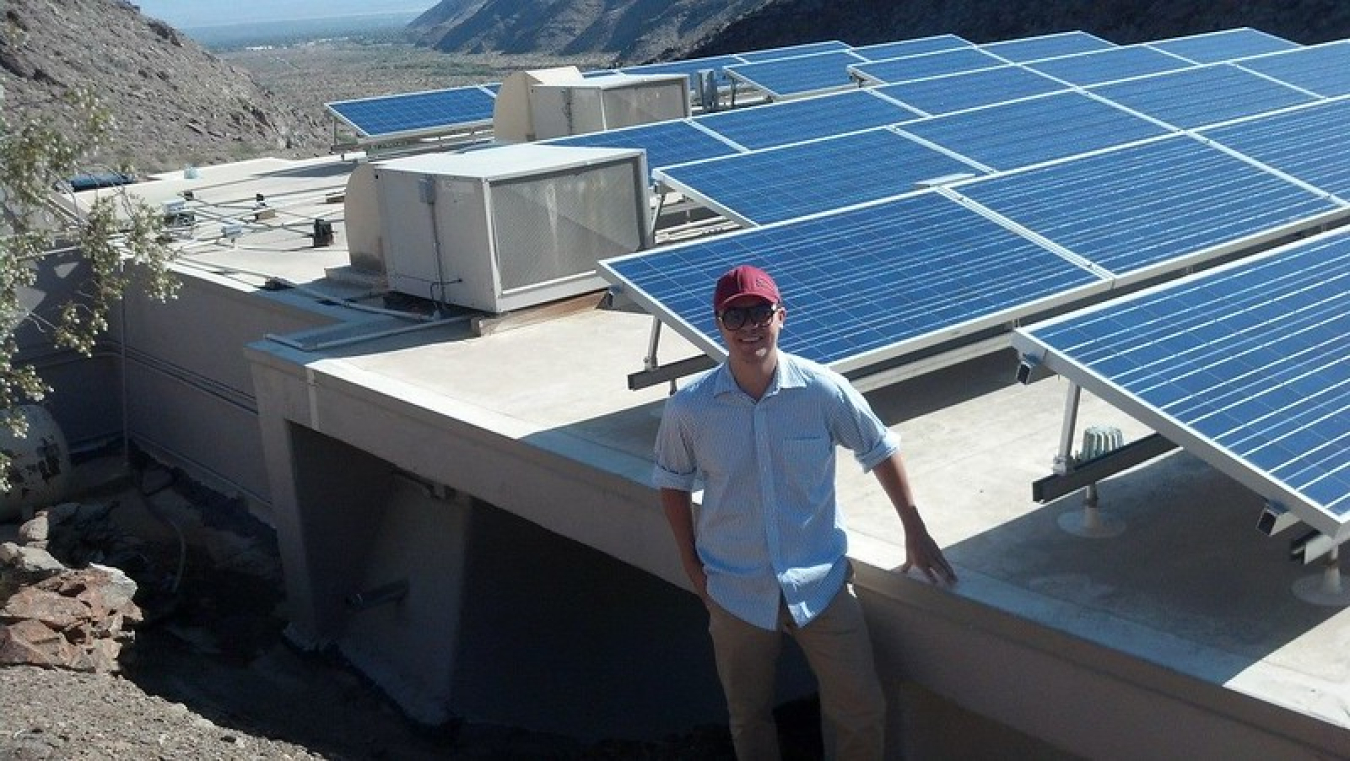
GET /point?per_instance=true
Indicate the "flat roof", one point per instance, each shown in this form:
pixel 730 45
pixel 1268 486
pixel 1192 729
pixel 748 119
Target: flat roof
pixel 1190 587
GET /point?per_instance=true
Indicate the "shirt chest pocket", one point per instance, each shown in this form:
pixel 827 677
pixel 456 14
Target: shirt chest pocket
pixel 807 473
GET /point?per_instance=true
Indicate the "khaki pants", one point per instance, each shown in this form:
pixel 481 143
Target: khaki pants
pixel 836 644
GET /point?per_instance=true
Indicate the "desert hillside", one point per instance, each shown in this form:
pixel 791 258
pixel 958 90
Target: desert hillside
pixel 172 102
pixel 640 30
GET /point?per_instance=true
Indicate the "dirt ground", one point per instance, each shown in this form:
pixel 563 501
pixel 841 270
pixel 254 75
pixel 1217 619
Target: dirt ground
pixel 211 676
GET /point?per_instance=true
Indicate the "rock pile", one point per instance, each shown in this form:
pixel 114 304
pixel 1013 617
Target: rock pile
pixel 56 616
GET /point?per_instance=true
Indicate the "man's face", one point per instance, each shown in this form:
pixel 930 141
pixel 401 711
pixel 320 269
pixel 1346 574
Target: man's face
pixel 757 322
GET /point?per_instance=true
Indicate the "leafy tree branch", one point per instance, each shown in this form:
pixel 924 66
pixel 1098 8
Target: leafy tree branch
pixel 114 231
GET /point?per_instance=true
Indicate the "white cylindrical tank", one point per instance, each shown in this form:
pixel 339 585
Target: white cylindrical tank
pixel 39 467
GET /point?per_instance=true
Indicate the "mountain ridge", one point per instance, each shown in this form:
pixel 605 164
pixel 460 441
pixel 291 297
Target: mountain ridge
pixel 637 31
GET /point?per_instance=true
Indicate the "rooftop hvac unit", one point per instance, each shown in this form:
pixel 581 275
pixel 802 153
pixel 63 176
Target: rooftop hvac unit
pixel 508 227
pixel 608 102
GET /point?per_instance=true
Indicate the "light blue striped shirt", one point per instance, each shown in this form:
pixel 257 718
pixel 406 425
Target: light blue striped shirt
pixel 768 525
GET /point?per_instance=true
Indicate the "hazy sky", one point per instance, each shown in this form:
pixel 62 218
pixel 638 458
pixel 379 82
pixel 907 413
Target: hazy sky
pixel 189 13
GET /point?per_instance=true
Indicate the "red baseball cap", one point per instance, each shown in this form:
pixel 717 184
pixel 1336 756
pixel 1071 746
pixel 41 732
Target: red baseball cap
pixel 744 280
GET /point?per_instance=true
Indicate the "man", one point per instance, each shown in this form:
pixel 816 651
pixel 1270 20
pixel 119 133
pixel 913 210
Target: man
pixel 766 550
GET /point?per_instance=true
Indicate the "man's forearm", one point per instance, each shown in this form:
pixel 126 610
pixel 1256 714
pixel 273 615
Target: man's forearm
pixel 678 506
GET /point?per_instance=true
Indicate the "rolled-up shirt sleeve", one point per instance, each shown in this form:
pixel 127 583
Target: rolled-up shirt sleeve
pixel 857 427
pixel 675 466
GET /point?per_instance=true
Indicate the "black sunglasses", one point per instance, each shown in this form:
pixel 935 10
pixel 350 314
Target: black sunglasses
pixel 735 318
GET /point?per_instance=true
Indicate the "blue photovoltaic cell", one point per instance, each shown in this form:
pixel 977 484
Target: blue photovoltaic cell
pixel 1203 95
pixel 861 282
pixel 1031 131
pixel 883 50
pixel 817 72
pixel 927 65
pixel 1307 143
pixel 1252 360
pixel 665 142
pixel 418 111
pixel 797 180
pixel 769 54
pixel 958 92
pixel 806 119
pixel 1322 69
pixel 1109 65
pixel 1147 206
pixel 1216 47
pixel 1047 46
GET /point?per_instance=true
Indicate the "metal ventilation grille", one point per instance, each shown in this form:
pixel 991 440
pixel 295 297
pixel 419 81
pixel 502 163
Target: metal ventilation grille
pixel 555 226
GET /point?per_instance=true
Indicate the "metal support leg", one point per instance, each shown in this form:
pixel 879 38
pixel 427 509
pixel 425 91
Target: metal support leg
pixel 1088 522
pixel 1064 459
pixel 1325 588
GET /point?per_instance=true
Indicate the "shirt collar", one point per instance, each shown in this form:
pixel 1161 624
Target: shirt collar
pixel 787 375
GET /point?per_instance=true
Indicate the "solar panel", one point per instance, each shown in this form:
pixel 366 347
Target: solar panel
pixel 806 178
pixel 799 76
pixel 1153 207
pixel 1227 45
pixel 883 50
pixel 1031 131
pixel 666 143
pixel 1306 143
pixel 1109 65
pixel 958 92
pixel 862 285
pixel 1202 95
pixel 1046 46
pixel 1247 366
pixel 1321 69
pixel 925 66
pixel 807 119
pixel 688 67
pixel 410 113
pixel 790 51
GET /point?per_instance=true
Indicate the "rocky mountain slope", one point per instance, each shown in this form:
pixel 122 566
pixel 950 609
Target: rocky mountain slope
pixel 860 22
pixel 632 30
pixel 172 102
pixel 640 30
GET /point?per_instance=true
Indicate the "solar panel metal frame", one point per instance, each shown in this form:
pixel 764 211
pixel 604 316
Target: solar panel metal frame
pixel 1307 68
pixel 807 162
pixel 1170 302
pixel 1014 197
pixel 1202 96
pixel 1321 155
pixel 654 138
pixel 792 51
pixel 1139 59
pixel 933 96
pixel 1221 46
pixel 335 107
pixel 1015 123
pixel 924 66
pixel 790 255
pixel 766 75
pixel 900 48
pixel 740 126
pixel 1054 45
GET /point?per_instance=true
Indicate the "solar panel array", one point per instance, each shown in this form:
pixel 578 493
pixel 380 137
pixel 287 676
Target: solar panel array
pixel 824 65
pixel 1247 366
pixel 1123 192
